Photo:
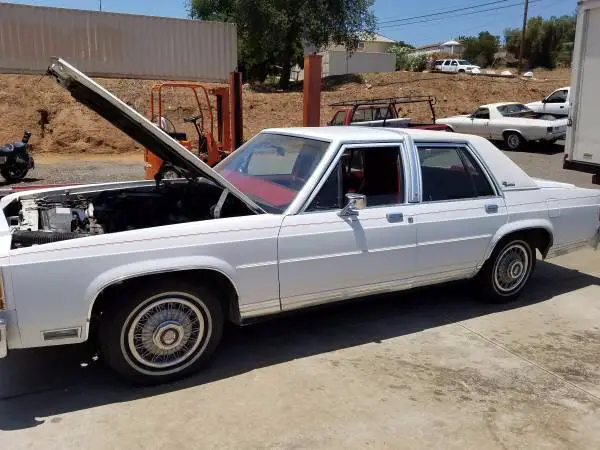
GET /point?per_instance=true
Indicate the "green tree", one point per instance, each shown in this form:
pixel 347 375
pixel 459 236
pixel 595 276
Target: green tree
pixel 547 42
pixel 480 49
pixel 272 34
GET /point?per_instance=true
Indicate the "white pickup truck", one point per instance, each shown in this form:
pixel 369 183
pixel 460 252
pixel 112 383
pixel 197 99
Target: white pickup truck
pixel 456 66
pixel 556 104
pixel 513 123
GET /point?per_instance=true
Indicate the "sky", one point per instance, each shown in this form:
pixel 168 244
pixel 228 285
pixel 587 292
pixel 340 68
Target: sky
pixel 418 31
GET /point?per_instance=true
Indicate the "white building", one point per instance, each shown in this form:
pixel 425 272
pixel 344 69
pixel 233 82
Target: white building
pixel 372 55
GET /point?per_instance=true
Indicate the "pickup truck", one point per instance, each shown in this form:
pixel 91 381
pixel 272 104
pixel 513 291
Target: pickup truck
pixel 555 105
pixel 455 66
pixel 382 113
pixel 513 123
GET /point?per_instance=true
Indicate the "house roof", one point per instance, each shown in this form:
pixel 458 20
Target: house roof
pixel 438 44
pixel 376 38
pixel 428 46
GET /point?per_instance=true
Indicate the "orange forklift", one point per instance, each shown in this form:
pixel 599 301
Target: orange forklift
pixel 214 140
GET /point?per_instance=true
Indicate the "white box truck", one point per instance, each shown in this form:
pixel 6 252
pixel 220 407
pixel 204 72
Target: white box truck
pixel 582 149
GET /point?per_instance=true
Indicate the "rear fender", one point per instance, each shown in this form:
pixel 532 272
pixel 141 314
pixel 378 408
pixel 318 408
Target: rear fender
pixel 513 227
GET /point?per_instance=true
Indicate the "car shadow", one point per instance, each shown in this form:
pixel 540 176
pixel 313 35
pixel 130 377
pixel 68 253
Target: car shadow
pixel 543 148
pixel 39 383
pixel 4 183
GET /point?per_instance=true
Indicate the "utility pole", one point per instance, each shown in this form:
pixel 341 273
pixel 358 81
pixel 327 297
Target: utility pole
pixel 523 35
pixel 100 5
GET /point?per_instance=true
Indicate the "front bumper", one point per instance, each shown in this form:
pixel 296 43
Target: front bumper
pixel 3 338
pixel 555 136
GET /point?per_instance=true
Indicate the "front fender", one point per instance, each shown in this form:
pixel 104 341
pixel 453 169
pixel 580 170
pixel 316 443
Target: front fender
pixel 512 227
pixel 150 267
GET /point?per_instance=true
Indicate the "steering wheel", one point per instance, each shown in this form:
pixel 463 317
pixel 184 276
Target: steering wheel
pixel 169 129
pixel 192 119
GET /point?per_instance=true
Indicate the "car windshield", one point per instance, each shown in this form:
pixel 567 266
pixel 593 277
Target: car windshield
pixel 272 168
pixel 514 109
pixel 464 62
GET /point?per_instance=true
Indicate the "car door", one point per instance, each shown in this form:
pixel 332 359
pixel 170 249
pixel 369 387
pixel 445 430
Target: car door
pixel 326 256
pixel 447 67
pixel 479 123
pixel 454 66
pixel 556 103
pixel 461 209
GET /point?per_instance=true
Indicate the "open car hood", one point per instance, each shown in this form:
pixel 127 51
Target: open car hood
pixel 136 126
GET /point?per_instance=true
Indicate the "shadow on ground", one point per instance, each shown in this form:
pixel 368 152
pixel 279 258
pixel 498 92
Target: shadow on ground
pixel 4 183
pixel 35 384
pixel 544 148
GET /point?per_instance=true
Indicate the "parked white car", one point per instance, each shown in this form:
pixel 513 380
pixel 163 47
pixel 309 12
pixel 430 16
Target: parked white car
pixel 456 66
pixel 556 104
pixel 513 123
pixel 296 217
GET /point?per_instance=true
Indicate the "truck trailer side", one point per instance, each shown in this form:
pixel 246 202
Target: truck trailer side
pixel 582 149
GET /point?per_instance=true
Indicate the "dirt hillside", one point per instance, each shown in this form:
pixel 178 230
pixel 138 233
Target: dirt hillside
pixel 60 125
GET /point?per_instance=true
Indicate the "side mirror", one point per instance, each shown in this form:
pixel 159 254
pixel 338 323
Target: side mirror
pixel 355 202
pixel 545 100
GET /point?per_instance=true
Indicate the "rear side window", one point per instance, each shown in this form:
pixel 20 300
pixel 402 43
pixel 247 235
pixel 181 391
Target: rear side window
pixel 363 115
pixel 451 173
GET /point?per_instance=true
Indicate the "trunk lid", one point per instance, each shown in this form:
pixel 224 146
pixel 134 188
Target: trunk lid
pixel 91 94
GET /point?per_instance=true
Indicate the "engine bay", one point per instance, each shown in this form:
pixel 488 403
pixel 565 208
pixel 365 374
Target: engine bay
pixel 56 216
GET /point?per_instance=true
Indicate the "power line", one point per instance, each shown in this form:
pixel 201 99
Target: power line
pixel 400 25
pixel 466 8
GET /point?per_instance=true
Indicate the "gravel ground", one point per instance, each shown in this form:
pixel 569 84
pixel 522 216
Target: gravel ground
pixel 538 161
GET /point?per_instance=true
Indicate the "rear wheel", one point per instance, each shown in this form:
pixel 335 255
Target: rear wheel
pixel 13 174
pixel 513 140
pixel 161 332
pixel 507 271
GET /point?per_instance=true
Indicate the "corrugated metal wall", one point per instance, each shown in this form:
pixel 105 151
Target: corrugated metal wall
pixel 116 45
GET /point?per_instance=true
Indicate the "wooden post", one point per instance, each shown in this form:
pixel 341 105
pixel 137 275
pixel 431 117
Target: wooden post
pixel 312 91
pixel 235 108
pixel 523 34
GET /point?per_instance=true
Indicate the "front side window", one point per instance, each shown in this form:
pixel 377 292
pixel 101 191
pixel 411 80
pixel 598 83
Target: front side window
pixel 454 63
pixel 481 113
pixel 375 172
pixel 558 97
pixel 272 168
pixel 451 173
pixel 339 118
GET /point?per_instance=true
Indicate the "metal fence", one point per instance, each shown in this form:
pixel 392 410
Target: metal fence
pixel 116 45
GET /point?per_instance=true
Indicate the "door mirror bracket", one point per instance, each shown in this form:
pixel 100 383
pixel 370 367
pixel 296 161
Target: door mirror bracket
pixel 354 203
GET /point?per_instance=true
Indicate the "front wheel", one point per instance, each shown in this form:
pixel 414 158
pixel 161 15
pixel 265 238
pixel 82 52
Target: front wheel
pixel 507 271
pixel 513 140
pixel 161 332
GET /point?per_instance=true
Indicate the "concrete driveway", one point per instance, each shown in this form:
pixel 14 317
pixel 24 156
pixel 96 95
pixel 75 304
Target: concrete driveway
pixel 427 369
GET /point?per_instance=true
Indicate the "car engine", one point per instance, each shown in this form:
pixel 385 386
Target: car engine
pixel 52 217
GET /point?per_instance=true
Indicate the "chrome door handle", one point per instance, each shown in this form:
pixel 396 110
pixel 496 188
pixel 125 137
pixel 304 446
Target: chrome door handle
pixel 491 209
pixel 395 217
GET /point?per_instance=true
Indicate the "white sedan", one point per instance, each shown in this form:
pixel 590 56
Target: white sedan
pixel 513 123
pixel 151 271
